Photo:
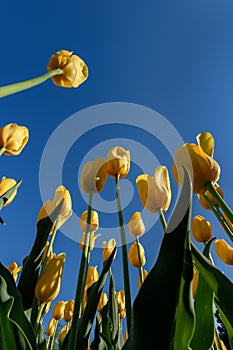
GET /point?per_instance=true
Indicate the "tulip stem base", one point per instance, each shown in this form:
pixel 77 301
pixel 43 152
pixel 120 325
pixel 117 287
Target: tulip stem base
pixel 27 84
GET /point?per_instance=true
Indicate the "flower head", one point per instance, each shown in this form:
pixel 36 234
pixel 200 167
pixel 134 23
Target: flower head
pixel 206 141
pixel 103 301
pixel 201 229
pixel 75 71
pixel 120 299
pixel 118 162
pixel 154 191
pixel 93 176
pixel 93 238
pixel 51 328
pixel 14 270
pixel 108 248
pixel 13 138
pixel 5 185
pixel 69 310
pixel 58 310
pixel 203 201
pixel 94 224
pixel 133 255
pixel 136 225
pixel 224 251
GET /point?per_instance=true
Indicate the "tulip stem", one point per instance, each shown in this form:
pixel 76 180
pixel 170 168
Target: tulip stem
pixel 139 261
pixel 26 84
pixel 2 150
pixel 38 317
pixel 162 220
pixel 223 205
pixel 124 255
pixel 81 279
pixel 51 345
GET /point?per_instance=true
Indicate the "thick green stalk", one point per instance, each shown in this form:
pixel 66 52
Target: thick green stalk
pixel 38 318
pixel 128 304
pixel 162 219
pixel 27 84
pixel 81 279
pixel 2 150
pixel 140 272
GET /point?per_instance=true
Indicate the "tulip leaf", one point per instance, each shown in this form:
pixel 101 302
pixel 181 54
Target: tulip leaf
pixel 30 271
pixel 113 313
pixel 16 331
pixel 154 308
pixel 5 196
pixel 227 325
pixel 98 343
pixel 203 337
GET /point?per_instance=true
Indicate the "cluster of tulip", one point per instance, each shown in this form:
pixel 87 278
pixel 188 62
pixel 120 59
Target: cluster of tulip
pixel 174 307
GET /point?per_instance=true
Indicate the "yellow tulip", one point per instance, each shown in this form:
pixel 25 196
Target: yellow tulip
pixel 47 308
pixel 204 203
pixel 69 310
pixel 63 333
pixel 93 238
pixel 120 299
pixel 93 176
pixel 75 71
pixel 201 229
pixel 94 224
pixel 5 185
pixel 49 206
pixel 136 225
pixel 133 255
pixel 201 167
pixel 58 310
pixel 13 138
pixel 14 270
pixel 102 302
pixel 49 281
pixel 224 251
pixel 51 328
pixel 92 277
pixel 206 141
pixel 144 274
pixel 108 248
pixel 154 191
pixel 118 162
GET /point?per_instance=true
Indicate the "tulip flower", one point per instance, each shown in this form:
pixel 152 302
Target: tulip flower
pixel 120 299
pixel 74 69
pixel 203 201
pixel 118 162
pixel 201 167
pixel 102 301
pixel 144 275
pixel 5 185
pixel 94 222
pixel 14 270
pixel 93 238
pixel 224 251
pixel 201 229
pixel 49 281
pixel 136 225
pixel 154 191
pixel 13 139
pixel 108 248
pixel 58 310
pixel 69 310
pixel 133 255
pixel 49 206
pixel 63 333
pixel 93 176
pixel 92 277
pixel 51 328
pixel 206 141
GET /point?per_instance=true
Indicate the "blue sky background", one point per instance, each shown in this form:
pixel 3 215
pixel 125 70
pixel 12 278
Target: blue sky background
pixel 175 57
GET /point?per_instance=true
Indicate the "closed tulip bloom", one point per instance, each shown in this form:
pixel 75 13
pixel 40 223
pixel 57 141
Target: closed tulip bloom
pixel 118 162
pixel 49 206
pixel 206 141
pixel 58 310
pixel 136 225
pixel 75 71
pixel 133 255
pixel 154 191
pixel 92 275
pixel 201 167
pixel 94 224
pixel 93 238
pixel 120 299
pixel 51 328
pixel 108 248
pixel 13 138
pixel 204 203
pixel 201 229
pixel 14 270
pixel 69 310
pixel 93 176
pixel 49 281
pixel 102 302
pixel 63 333
pixel 224 251
pixel 144 274
pixel 5 185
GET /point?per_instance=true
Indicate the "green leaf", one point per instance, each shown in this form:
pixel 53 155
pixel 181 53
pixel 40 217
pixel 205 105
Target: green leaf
pixel 154 308
pixel 4 197
pixel 113 312
pixel 98 343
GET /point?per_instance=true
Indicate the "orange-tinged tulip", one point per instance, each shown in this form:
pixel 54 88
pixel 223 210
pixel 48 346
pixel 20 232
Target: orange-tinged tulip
pixel 204 203
pixel 51 328
pixel 49 281
pixel 201 167
pixel 206 141
pixel 13 138
pixel 144 275
pixel 93 176
pixel 136 225
pixel 14 270
pixel 5 185
pixel 120 299
pixel 94 224
pixel 133 255
pixel 108 248
pixel 69 310
pixel 154 191
pixel 103 301
pixel 58 310
pixel 118 162
pixel 201 229
pixel 224 251
pixel 75 71
pixel 49 206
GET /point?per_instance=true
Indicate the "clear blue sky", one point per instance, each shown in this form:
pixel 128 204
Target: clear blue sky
pixel 175 57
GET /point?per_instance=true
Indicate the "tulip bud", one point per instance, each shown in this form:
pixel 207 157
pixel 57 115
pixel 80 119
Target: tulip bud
pixel 93 176
pixel 51 327
pixel 120 299
pixel 69 310
pixel 75 71
pixel 224 251
pixel 203 201
pixel 118 162
pixel 102 302
pixel 133 255
pixel 144 274
pixel 58 310
pixel 201 228
pixel 92 275
pixel 93 238
pixel 5 185
pixel 49 281
pixel 136 225
pixel 94 224
pixel 13 138
pixel 108 248
pixel 14 269
pixel 206 141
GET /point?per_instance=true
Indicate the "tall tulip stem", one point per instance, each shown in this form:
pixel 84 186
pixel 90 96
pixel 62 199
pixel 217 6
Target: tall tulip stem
pixel 124 255
pixel 39 316
pixel 27 84
pixel 139 261
pixel 81 279
pixel 162 219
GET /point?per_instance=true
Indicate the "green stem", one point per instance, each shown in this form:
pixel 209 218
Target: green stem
pixel 51 345
pixel 124 256
pixel 2 150
pixel 140 272
pixel 38 317
pixel 81 279
pixel 162 219
pixel 26 84
pixel 210 187
pixel 220 217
